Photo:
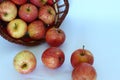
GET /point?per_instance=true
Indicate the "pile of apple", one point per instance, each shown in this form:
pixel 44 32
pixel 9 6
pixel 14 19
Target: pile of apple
pixel 27 17
pixel 53 57
pixel 30 17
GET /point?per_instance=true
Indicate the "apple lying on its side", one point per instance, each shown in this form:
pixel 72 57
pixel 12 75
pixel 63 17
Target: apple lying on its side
pixel 28 12
pixel 55 37
pixel 84 71
pixel 8 11
pixel 38 3
pixel 24 62
pixel 47 14
pixel 19 2
pixel 36 30
pixel 80 56
pixel 53 57
pixel 17 28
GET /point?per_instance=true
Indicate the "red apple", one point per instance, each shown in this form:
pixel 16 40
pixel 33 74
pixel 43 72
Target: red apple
pixel 53 57
pixel 38 3
pixel 55 37
pixel 19 2
pixel 50 2
pixel 36 30
pixel 17 28
pixel 47 14
pixel 8 11
pixel 24 62
pixel 28 12
pixel 84 71
pixel 80 56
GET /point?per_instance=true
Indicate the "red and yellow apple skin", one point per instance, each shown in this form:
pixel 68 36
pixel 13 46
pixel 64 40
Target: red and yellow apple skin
pixel 80 56
pixel 53 57
pixel 55 37
pixel 47 14
pixel 39 3
pixel 19 2
pixel 84 71
pixel 28 12
pixel 24 62
pixel 8 11
pixel 36 30
pixel 17 28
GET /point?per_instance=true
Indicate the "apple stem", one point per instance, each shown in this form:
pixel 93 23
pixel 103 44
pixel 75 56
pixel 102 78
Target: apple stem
pixel 5 14
pixel 15 26
pixel 49 11
pixel 83 48
pixel 28 9
pixel 24 66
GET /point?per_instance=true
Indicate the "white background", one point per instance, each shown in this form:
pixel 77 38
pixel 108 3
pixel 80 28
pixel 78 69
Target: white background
pixel 93 23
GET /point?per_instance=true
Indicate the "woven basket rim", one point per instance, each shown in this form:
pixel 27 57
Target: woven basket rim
pixel 37 42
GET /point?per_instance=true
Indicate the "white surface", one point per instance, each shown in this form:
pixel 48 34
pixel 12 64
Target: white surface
pixel 94 23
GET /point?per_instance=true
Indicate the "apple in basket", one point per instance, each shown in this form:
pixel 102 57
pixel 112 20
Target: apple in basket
pixel 84 71
pixel 24 62
pixel 39 3
pixel 55 37
pixel 53 57
pixel 8 11
pixel 80 56
pixel 17 28
pixel 47 14
pixel 36 29
pixel 19 2
pixel 50 2
pixel 28 12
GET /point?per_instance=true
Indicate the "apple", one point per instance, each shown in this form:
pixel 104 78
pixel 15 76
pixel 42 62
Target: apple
pixel 80 56
pixel 50 2
pixel 28 12
pixel 47 14
pixel 19 2
pixel 53 57
pixel 24 62
pixel 55 37
pixel 8 11
pixel 38 3
pixel 84 71
pixel 17 28
pixel 36 29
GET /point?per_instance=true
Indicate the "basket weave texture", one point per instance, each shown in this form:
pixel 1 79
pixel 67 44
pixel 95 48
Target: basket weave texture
pixel 61 7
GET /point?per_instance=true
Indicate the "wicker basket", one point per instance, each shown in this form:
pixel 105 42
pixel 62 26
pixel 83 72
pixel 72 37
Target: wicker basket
pixel 61 8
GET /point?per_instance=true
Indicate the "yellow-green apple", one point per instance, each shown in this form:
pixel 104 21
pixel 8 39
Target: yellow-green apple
pixel 47 14
pixel 80 56
pixel 17 28
pixel 19 2
pixel 8 11
pixel 36 29
pixel 53 57
pixel 55 37
pixel 24 62
pixel 38 3
pixel 28 12
pixel 84 71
